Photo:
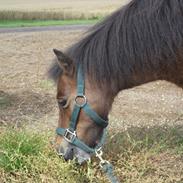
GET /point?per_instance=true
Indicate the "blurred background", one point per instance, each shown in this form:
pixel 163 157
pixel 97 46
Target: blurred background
pixel 57 9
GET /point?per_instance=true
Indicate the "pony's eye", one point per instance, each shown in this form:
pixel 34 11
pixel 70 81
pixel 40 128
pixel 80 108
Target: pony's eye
pixel 62 102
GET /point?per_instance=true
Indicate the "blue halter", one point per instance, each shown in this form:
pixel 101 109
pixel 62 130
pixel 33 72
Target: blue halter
pixel 69 134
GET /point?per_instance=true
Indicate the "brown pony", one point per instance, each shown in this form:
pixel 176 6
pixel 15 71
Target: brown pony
pixel 139 43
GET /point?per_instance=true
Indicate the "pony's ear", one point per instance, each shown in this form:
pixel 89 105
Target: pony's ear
pixel 64 61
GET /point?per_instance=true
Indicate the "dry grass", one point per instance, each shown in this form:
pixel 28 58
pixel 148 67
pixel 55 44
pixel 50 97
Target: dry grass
pixel 143 155
pixel 70 9
pixel 49 15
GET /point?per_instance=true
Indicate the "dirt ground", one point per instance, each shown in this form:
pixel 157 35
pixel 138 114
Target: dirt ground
pixel 28 97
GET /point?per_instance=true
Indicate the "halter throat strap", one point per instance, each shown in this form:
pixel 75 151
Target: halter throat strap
pixel 70 133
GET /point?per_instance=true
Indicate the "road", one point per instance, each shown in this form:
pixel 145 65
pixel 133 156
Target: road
pixel 44 28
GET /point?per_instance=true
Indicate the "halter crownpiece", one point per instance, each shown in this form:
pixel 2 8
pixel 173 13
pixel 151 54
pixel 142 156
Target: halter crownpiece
pixel 70 134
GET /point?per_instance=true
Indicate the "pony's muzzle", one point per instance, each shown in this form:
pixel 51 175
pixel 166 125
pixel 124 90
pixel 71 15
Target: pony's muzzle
pixel 64 149
pixel 69 154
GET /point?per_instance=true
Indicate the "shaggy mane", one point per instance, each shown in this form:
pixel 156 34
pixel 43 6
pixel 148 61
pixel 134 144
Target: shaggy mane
pixel 138 37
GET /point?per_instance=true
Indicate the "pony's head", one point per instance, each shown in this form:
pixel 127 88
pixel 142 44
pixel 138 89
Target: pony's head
pixel 88 111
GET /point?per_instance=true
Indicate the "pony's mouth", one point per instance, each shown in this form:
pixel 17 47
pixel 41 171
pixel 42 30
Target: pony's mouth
pixel 70 152
pixel 81 156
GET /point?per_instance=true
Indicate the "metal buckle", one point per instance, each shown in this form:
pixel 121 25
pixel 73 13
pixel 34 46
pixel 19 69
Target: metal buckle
pixel 99 153
pixel 82 103
pixel 69 136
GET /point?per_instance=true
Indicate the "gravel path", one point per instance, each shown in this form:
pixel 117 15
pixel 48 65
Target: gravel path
pixel 45 28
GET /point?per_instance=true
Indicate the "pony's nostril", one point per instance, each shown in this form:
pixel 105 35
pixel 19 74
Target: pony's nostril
pixel 69 155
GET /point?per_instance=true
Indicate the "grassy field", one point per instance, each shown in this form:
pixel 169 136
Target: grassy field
pixel 57 10
pixel 140 157
pixel 32 23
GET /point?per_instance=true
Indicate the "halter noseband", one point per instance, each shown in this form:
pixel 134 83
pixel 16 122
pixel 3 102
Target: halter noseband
pixel 69 134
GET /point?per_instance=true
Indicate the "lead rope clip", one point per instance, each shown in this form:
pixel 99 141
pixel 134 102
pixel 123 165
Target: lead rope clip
pixel 99 154
pixel 106 167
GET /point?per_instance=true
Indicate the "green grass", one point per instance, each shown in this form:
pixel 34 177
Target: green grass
pixel 27 157
pixel 32 23
pixel 138 155
pixel 16 147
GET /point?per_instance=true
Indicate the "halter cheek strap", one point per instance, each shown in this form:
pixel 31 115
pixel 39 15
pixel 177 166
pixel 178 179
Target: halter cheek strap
pixel 70 133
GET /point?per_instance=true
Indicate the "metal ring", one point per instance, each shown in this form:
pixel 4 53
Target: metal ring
pixel 83 97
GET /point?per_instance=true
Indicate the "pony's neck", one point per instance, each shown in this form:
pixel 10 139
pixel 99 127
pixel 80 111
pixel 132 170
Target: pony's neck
pixel 135 78
pixel 108 91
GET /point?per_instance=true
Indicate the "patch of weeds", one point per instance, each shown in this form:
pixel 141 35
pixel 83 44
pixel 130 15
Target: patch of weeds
pixel 16 147
pixel 26 157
